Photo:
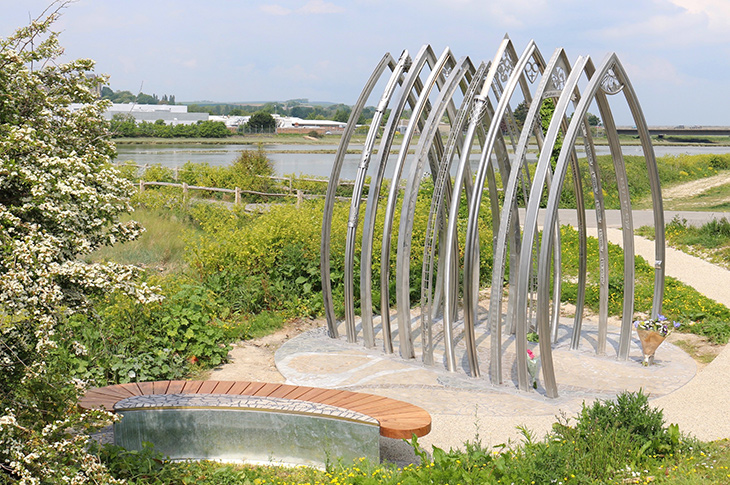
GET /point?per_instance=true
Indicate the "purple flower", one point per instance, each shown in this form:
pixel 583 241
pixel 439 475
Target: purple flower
pixel 661 318
pixel 677 324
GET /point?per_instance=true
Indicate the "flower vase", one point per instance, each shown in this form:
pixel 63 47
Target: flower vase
pixel 650 341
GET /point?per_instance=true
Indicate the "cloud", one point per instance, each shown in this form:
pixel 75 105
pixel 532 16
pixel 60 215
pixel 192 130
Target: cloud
pixel 320 7
pixel 717 12
pixel 312 7
pixel 679 24
pixel 657 71
pixel 275 10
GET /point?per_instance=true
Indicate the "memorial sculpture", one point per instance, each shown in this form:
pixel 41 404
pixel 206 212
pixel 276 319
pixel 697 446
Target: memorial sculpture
pixel 478 101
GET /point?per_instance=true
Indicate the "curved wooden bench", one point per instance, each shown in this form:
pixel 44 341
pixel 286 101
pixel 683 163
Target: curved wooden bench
pixel 398 419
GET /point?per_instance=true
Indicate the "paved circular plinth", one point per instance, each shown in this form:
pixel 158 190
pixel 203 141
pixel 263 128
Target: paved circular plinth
pixel 314 359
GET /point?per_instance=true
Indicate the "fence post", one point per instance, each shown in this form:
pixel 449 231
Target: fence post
pixel 141 185
pixel 175 174
pixel 300 198
pixel 185 191
pixel 238 196
pixel 290 183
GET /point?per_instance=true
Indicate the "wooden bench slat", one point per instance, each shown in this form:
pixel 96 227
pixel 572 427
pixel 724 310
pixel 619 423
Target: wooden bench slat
pixel 147 388
pixel 282 391
pixel 129 387
pixel 191 387
pixel 176 387
pixel 312 394
pixel 238 387
pixel 95 403
pixel 354 400
pixel 267 389
pixel 397 419
pixel 109 392
pixel 223 387
pixel 207 387
pixel 298 391
pixel 322 397
pixel 160 387
pixel 126 389
pixel 253 388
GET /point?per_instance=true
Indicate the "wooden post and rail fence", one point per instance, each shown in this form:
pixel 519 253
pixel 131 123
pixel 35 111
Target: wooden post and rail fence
pixel 237 191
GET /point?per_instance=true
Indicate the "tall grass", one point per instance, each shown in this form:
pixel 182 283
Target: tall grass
pixel 160 248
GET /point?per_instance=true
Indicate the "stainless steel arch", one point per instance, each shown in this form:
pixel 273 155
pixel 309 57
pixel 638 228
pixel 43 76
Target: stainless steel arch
pixel 471 249
pixel 422 107
pixel 405 231
pixel 411 83
pixel 329 205
pixel 450 286
pixel 488 117
pixel 395 79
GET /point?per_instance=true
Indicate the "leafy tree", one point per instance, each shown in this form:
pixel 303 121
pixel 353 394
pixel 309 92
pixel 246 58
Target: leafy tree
pixel 143 98
pixel 213 129
pixel 342 115
pixel 261 122
pixel 123 125
pixel 520 114
pixel 60 198
pixel 593 120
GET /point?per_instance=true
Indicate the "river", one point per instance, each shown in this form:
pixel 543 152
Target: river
pixel 293 159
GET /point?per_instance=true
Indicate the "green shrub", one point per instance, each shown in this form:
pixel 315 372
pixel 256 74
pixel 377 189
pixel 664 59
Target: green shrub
pixel 126 341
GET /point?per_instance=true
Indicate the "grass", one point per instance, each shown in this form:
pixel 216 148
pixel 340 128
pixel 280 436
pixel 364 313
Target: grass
pixel 161 247
pixel 695 351
pixel 711 241
pixel 714 199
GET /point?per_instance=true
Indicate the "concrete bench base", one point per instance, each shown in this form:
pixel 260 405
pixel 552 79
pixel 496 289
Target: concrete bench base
pixel 255 421
pixel 246 429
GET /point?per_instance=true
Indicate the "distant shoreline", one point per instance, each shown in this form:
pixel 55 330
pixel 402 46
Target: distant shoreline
pixel 297 139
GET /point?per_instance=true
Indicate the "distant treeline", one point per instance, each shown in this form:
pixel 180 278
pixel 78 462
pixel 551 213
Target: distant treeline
pixel 125 126
pixel 299 108
pixel 141 98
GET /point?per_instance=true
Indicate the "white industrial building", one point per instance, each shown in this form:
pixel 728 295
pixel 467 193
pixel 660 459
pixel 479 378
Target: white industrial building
pixel 171 114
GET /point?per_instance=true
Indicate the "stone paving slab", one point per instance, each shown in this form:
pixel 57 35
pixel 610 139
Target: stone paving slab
pixel 463 407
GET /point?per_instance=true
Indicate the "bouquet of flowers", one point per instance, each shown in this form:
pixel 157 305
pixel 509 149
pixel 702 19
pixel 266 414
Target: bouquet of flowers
pixel 660 324
pixel 652 333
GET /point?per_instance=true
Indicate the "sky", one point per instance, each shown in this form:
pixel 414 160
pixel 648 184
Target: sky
pixel 676 52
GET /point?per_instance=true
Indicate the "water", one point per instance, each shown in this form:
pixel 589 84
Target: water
pixel 294 161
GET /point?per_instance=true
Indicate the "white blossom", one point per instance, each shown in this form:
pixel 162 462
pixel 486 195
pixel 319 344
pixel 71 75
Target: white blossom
pixel 60 198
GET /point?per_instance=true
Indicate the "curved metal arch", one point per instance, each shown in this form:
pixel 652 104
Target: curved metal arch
pixel 404 328
pixel 578 122
pixel 654 183
pixel 442 104
pixel 329 204
pixel 450 286
pixel 412 83
pixel 530 232
pixel 440 203
pixel 352 223
pixel 471 248
pixel 509 215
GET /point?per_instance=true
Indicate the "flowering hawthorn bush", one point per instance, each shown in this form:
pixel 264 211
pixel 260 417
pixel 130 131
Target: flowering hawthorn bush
pixel 59 199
